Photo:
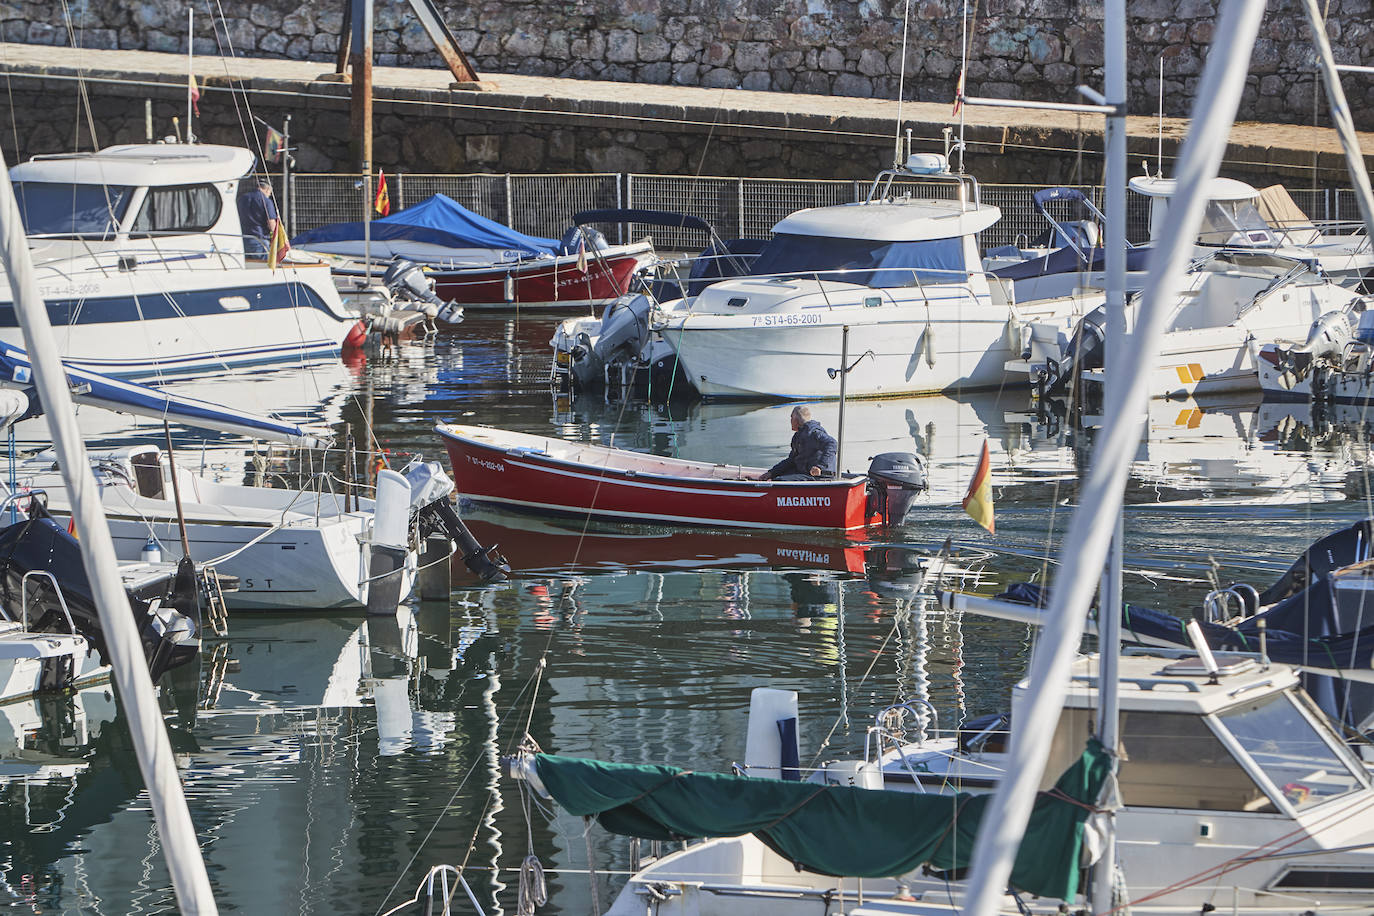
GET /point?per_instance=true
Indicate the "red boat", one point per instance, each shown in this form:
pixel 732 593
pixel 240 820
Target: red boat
pixel 548 281
pixel 553 475
pixel 477 262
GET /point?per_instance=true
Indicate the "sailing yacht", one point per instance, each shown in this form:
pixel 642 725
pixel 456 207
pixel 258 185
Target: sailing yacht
pixel 140 258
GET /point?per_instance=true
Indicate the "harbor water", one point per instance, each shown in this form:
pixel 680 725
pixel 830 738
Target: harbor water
pixel 330 760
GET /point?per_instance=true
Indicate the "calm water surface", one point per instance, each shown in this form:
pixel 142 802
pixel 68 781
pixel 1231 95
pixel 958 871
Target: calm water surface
pixel 330 760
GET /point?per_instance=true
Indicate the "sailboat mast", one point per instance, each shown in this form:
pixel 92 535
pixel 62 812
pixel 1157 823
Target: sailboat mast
pixel 1084 549
pixel 1109 600
pixel 130 669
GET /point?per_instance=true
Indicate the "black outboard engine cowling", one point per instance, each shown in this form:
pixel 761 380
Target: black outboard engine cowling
pixel 165 608
pixel 407 280
pixel 1086 349
pixel 895 479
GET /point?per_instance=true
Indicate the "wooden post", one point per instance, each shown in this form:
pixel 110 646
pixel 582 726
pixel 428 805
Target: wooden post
pixel 360 60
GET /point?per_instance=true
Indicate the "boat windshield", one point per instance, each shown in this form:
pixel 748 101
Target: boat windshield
pixel 1234 222
pixel 864 261
pixel 63 210
pixel 1286 745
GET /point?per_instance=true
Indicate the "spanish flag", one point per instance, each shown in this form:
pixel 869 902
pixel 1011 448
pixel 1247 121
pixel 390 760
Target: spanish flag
pixel 195 94
pixel 382 203
pixel 279 246
pixel 978 501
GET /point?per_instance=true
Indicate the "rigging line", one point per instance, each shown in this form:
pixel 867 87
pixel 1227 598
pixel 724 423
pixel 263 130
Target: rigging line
pixel 478 760
pixel 82 91
pixel 247 106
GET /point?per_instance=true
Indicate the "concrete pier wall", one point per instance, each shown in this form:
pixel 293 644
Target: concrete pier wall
pixel 1028 48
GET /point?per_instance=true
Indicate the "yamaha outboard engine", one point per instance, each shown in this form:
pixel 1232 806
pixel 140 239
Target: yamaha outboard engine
pixel 1326 340
pixel 430 488
pixel 407 280
pixel 579 236
pixel 895 479
pixel 624 327
pixel 1086 349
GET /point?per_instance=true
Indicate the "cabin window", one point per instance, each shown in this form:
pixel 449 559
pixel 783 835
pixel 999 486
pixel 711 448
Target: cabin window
pixel 1173 760
pixel 191 208
pixel 866 262
pixel 1291 752
pixel 148 474
pixel 63 210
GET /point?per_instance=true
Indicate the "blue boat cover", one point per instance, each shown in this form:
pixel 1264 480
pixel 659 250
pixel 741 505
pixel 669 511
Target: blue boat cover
pixel 437 221
pixel 1066 260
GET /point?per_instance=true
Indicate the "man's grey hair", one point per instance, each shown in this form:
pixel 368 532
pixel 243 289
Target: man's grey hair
pixel 265 184
pixel 801 413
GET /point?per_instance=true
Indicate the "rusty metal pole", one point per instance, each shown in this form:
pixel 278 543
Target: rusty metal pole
pixel 361 63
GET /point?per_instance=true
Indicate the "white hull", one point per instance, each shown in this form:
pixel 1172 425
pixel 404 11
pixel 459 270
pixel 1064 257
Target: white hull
pixel 152 321
pixel 954 343
pixel 24 657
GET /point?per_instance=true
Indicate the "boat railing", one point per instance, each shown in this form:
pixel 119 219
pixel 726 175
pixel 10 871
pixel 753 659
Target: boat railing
pixel 150 249
pixel 57 590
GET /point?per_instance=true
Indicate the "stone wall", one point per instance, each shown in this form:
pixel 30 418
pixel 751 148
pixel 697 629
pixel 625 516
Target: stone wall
pixel 1027 48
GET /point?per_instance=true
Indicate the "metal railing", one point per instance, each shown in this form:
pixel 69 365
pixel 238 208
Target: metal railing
pixel 737 207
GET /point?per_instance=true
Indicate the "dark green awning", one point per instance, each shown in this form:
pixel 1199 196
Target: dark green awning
pixel 832 830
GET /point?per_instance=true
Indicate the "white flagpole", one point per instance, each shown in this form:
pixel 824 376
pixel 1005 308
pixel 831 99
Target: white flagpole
pixel 190 69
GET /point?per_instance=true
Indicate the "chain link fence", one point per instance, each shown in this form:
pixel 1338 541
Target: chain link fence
pixel 735 207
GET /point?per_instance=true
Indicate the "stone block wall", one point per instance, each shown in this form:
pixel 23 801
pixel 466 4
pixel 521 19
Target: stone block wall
pixel 1027 48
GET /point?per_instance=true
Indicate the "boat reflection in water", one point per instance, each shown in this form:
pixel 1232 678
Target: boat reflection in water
pixel 1240 451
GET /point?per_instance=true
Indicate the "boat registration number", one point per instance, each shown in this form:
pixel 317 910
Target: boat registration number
pixel 778 321
pixel 488 464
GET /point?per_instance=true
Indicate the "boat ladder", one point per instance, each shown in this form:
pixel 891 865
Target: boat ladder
pixel 216 613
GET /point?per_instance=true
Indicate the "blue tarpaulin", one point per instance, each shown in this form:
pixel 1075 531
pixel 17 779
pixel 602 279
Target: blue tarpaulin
pixel 865 262
pixel 437 221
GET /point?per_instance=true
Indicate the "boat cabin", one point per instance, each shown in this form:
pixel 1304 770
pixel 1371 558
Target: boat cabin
pixel 1245 740
pixel 1232 218
pixel 165 201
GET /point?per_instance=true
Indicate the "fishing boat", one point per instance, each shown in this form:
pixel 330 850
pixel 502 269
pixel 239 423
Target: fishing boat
pixel 140 259
pixel 479 263
pixel 901 273
pixel 547 474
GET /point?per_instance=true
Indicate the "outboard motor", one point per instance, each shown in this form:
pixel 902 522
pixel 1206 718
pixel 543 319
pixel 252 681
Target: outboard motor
pixel 430 488
pixel 390 543
pixel 895 479
pixel 624 327
pixel 407 280
pixel 1326 340
pixel 577 236
pixel 1086 349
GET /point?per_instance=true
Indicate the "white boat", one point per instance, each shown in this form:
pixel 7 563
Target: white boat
pixel 1251 784
pixel 1239 216
pixel 32 663
pixel 140 259
pixel 902 274
pixel 1234 302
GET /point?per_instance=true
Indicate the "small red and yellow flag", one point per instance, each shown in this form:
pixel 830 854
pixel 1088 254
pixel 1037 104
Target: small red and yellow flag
pixel 978 501
pixel 279 245
pixel 382 203
pixel 194 90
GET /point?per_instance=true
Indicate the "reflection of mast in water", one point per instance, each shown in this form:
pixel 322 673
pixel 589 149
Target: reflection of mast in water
pixel 913 657
pixel 953 627
pixel 490 753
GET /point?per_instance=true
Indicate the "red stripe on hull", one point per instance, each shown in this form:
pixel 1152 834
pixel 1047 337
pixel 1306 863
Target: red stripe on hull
pixel 493 475
pixel 539 283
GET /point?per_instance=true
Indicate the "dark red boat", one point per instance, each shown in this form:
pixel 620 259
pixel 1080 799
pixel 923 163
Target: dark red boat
pixel 565 280
pixel 554 475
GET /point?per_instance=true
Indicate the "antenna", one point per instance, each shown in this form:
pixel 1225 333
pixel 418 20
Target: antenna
pixel 1159 133
pixel 901 91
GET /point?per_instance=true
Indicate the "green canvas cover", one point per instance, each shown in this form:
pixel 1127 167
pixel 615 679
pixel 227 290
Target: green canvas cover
pixel 832 830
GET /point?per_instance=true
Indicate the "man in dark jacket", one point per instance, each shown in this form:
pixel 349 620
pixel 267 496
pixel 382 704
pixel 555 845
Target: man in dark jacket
pixel 813 451
pixel 257 218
